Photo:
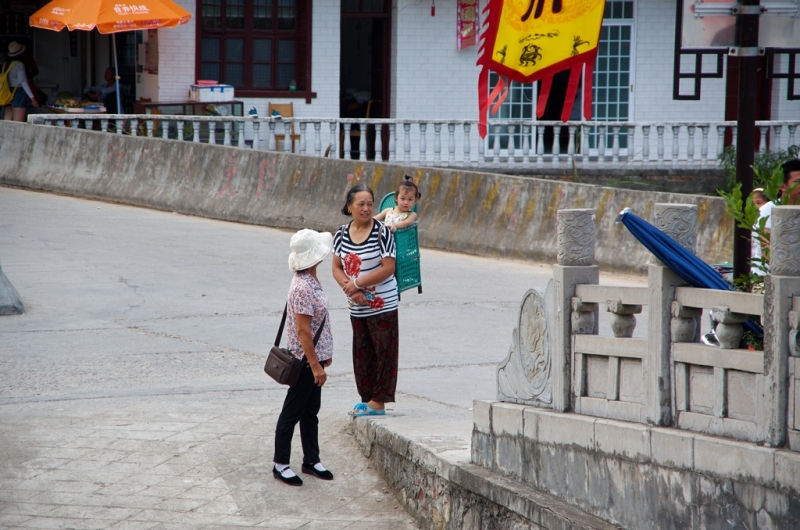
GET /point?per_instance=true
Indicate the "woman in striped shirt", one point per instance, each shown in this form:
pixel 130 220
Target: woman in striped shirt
pixel 363 266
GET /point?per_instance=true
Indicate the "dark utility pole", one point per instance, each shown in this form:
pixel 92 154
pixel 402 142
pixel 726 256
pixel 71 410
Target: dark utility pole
pixel 747 56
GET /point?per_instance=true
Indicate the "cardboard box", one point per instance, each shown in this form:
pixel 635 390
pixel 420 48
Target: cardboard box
pixel 211 93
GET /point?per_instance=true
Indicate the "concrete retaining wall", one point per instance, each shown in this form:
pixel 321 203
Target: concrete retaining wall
pixel 443 491
pixel 638 476
pixel 463 211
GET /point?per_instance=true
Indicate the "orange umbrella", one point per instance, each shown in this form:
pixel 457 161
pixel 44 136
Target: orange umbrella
pixel 110 16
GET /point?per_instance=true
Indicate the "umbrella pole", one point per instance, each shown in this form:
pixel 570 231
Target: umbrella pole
pixel 116 71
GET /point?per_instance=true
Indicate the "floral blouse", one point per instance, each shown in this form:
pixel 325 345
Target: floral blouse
pixel 306 297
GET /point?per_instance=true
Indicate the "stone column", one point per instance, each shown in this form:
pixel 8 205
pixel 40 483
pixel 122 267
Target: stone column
pixel 780 285
pixel 576 245
pixel 678 221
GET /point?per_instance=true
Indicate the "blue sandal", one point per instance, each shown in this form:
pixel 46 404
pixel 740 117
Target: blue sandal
pixel 362 409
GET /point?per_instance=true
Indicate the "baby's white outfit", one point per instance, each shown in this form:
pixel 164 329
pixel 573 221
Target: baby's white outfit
pixel 393 218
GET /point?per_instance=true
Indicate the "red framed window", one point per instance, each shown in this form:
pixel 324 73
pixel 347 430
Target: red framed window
pixel 261 47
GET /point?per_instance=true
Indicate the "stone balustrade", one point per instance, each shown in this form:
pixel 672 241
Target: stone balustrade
pixel 669 378
pixel 656 427
pixel 510 145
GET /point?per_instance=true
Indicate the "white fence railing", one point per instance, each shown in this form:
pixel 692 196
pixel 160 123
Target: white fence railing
pixel 509 145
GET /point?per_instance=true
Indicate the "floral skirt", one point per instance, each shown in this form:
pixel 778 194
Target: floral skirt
pixel 375 347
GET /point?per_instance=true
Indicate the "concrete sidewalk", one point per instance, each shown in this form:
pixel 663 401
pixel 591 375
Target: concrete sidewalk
pixel 132 393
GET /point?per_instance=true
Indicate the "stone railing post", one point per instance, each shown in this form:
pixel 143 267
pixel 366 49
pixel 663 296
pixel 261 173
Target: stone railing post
pixel 729 328
pixel 780 286
pixel 576 245
pixel 684 324
pixel 678 221
pixel 622 320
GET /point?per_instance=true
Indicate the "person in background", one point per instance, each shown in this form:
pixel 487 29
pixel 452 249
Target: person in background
pixel 759 199
pixel 790 190
pixel 18 84
pixel 99 92
pixel 756 242
pixel 789 195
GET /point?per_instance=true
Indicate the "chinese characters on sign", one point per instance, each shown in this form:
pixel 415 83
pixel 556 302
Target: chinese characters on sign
pixel 125 9
pixel 531 40
pixel 468 17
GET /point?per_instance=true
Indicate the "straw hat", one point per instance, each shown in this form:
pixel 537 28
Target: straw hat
pixel 309 247
pixel 15 49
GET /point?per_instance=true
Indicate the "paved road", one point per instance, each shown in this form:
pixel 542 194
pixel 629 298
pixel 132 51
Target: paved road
pixel 132 393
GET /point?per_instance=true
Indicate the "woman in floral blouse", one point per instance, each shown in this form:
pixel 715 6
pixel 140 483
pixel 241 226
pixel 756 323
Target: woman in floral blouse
pixel 307 310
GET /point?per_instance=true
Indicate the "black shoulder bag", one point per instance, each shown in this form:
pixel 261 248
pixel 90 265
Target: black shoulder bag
pixel 281 365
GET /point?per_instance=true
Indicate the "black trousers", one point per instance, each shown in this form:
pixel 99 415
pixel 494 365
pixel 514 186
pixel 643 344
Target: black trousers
pixel 301 405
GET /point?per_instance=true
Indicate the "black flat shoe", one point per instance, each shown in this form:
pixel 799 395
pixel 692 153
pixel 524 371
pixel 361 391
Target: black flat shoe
pixel 292 481
pixel 311 470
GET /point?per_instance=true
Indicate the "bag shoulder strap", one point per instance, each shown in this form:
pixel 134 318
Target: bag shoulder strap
pixel 283 323
pixel 341 234
pixel 12 63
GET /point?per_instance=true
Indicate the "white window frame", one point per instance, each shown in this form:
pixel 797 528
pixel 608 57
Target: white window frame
pixel 592 151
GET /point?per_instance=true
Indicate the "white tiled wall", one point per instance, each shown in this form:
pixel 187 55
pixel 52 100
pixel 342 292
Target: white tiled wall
pixel 655 42
pixel 430 77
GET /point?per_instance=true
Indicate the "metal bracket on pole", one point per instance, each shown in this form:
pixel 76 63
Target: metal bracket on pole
pixel 748 10
pixel 737 51
pixel 726 9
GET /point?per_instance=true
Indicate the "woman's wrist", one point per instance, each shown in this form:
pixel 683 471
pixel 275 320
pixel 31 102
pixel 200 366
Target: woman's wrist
pixel 356 284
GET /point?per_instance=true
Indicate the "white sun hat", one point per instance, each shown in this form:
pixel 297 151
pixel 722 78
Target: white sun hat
pixel 309 247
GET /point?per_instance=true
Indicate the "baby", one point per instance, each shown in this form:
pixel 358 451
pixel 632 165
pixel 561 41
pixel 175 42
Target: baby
pixel 405 198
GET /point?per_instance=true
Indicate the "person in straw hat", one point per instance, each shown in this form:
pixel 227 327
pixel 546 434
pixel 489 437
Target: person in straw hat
pixel 307 310
pixel 17 78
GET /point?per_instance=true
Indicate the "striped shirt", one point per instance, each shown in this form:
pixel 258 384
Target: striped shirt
pixel 379 245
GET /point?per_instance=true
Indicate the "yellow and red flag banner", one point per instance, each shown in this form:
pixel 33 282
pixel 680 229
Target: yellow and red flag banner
pixel 529 40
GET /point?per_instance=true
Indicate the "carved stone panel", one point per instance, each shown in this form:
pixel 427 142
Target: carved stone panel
pixel 678 221
pixel 576 237
pixel 525 375
pixel 785 241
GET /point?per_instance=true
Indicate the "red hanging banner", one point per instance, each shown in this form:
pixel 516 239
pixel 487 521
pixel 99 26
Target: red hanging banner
pixel 468 14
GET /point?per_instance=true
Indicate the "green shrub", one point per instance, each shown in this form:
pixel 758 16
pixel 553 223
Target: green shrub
pixel 763 164
pixel 767 174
